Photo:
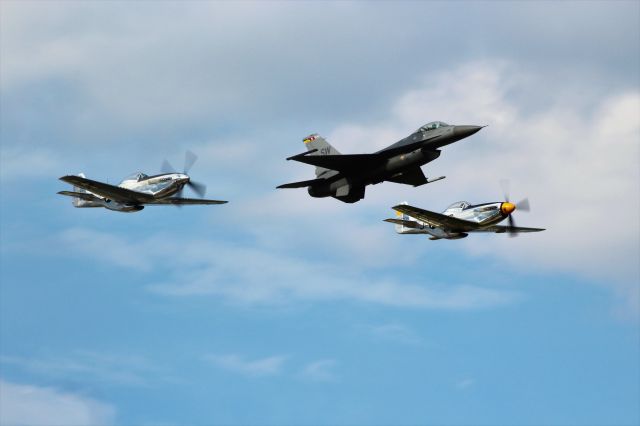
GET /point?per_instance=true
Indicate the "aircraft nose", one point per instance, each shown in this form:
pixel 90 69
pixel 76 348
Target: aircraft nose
pixel 507 208
pixel 465 131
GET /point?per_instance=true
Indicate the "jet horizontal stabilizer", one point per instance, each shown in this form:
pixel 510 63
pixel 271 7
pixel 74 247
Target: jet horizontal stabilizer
pixel 295 157
pixel 301 184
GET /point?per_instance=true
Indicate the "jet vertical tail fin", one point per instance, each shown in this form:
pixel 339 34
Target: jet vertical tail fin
pixel 321 147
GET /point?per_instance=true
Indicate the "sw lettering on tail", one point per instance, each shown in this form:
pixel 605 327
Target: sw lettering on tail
pixel 321 147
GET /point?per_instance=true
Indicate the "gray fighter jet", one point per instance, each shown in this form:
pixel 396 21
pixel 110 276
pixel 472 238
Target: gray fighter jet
pixel 345 177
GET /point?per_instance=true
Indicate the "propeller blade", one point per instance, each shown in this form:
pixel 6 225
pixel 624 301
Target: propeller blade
pixel 198 188
pixel 523 205
pixel 504 184
pixel 179 195
pixel 189 159
pixel 512 225
pixel 167 167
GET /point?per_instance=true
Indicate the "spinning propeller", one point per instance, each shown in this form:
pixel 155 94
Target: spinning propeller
pixel 189 160
pixel 508 208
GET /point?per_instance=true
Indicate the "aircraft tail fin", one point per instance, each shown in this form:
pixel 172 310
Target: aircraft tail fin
pixel 321 147
pixel 77 201
pixel 406 224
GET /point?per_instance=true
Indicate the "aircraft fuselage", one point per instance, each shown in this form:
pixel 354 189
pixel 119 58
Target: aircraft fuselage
pixel 414 151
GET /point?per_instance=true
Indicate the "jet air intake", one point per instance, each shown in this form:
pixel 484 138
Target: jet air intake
pixel 402 162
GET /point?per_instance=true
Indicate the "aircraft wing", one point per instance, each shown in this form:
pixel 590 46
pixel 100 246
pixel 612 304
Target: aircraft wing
pixel 105 190
pixel 406 223
pixel 413 177
pixel 182 201
pixel 437 219
pixel 348 163
pixel 82 195
pixel 499 229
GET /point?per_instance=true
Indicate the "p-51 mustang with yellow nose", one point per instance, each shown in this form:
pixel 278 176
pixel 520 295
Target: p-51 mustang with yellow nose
pixel 459 219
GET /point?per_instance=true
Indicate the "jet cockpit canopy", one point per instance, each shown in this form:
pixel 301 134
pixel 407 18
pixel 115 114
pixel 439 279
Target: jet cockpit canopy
pixel 432 126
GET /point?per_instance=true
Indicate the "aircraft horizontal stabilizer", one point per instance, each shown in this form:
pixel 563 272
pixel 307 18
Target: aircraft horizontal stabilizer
pixel 295 157
pixel 406 223
pixel 301 184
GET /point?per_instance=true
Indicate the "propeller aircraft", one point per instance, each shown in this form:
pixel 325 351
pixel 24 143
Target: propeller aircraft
pixel 138 190
pixel 459 219
pixel 345 177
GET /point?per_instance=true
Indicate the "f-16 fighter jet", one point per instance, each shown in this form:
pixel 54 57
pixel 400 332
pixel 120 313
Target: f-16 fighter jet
pixel 345 176
pixel 138 190
pixel 459 219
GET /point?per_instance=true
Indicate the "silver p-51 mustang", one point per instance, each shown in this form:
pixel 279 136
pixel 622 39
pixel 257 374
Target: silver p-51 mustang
pixel 138 190
pixel 459 219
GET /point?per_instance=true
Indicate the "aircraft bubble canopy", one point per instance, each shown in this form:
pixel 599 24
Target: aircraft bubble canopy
pixel 136 177
pixel 432 125
pixel 459 205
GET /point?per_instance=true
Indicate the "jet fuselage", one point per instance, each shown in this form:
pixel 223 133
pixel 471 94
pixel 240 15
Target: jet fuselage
pixel 399 162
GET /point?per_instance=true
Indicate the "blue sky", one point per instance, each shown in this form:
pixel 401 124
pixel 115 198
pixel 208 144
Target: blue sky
pixel 282 309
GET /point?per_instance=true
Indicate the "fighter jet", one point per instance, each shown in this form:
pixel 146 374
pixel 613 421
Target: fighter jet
pixel 459 219
pixel 137 190
pixel 345 177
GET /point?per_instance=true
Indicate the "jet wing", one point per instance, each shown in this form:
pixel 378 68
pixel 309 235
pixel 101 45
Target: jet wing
pixel 437 219
pixel 105 190
pixel 499 229
pixel 182 201
pixel 82 195
pixel 413 177
pixel 348 164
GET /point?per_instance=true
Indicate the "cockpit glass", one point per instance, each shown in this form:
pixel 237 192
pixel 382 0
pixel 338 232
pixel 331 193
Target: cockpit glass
pixel 459 205
pixel 432 126
pixel 136 176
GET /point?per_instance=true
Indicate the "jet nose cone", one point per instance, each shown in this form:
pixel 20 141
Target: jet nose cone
pixel 507 208
pixel 465 131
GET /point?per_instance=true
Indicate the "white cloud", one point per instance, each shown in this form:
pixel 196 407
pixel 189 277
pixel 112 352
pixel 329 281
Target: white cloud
pixel 268 366
pixel 465 383
pixel 576 158
pixel 18 162
pixel 320 371
pixel 396 332
pixel 30 405
pixel 122 370
pixel 257 275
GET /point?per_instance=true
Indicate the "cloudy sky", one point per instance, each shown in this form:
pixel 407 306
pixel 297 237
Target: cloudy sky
pixel 282 309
